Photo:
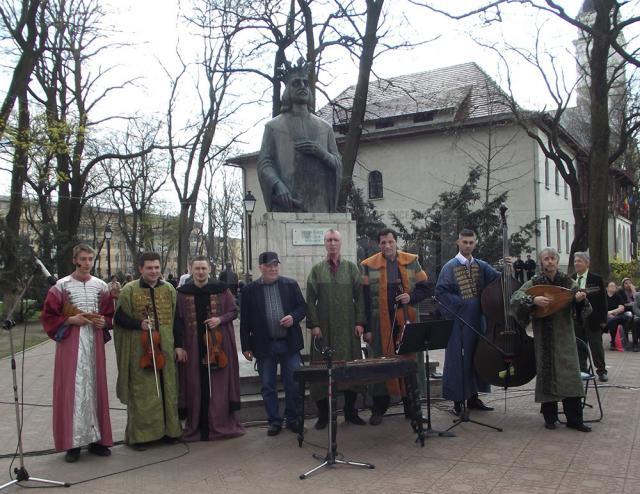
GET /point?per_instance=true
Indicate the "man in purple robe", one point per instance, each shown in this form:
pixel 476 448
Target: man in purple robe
pixel 209 392
pixel 77 315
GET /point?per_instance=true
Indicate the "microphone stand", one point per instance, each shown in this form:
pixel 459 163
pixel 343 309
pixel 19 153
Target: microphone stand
pixel 464 412
pixel 330 457
pixel 21 472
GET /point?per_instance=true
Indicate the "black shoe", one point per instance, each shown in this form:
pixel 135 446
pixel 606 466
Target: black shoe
pixel 457 407
pixel 603 376
pixel 274 429
pixel 550 425
pixel 354 418
pixel 321 423
pixel 375 419
pixel 99 449
pixel 139 446
pixel 579 427
pixel 475 403
pixel 72 455
pixel 636 348
pixel 170 440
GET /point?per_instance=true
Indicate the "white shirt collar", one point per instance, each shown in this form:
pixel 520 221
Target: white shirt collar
pixel 463 260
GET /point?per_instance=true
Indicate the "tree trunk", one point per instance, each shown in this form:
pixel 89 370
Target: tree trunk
pixel 359 107
pixel 600 133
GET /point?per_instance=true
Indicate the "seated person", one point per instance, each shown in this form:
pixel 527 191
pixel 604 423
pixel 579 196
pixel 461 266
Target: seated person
pixel 615 312
pixel 628 294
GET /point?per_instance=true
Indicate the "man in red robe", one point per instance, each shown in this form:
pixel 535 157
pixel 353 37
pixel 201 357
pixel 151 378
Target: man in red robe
pixel 210 388
pixel 77 316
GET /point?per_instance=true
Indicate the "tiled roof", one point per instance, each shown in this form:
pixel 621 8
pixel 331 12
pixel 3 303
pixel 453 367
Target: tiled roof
pixel 460 88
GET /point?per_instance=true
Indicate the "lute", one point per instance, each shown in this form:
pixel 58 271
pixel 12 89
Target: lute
pixel 560 297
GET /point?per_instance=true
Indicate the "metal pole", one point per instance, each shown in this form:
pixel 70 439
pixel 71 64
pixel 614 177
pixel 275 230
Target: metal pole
pixel 249 241
pixel 109 259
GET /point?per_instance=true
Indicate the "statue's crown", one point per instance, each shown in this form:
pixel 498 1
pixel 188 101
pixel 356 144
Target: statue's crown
pixel 288 71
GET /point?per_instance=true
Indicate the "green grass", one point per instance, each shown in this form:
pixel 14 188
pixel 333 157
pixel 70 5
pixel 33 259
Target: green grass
pixel 34 335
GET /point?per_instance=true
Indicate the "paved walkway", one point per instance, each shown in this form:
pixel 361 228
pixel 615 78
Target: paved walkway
pixel 524 458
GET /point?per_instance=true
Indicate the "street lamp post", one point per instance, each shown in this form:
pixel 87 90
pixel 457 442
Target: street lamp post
pixel 108 233
pixel 249 206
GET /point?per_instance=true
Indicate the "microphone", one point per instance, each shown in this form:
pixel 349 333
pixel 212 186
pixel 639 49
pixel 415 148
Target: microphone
pixel 45 272
pixel 322 347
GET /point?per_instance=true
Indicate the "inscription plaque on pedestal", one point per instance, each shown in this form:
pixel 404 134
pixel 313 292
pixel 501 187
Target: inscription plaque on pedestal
pixel 308 236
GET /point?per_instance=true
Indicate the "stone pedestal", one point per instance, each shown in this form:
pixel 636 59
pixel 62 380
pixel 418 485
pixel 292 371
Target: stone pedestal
pixel 298 240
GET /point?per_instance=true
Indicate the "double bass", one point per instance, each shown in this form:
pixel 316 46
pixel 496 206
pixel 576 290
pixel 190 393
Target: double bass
pixel 510 360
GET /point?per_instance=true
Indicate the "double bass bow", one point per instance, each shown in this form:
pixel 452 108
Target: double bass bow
pixel 510 359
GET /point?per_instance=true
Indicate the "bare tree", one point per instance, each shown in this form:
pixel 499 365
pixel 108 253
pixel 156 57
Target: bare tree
pixel 69 92
pixel 134 184
pixel 604 24
pixel 25 23
pixel 217 29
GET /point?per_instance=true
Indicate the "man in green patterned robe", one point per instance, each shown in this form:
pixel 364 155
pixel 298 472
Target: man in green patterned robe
pixel 558 371
pixel 335 313
pixel 151 396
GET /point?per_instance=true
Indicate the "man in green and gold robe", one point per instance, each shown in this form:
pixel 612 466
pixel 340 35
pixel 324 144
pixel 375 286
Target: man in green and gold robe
pixel 151 395
pixel 335 313
pixel 558 371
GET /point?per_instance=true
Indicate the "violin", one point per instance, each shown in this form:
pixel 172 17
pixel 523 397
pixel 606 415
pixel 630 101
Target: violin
pixel 215 358
pixel 152 355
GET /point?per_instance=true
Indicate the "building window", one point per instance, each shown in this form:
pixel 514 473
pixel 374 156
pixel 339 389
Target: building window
pixel 425 116
pixel 558 236
pixel 557 181
pixel 566 190
pixel 546 173
pixel 567 241
pixel 384 124
pixel 547 222
pixel 375 185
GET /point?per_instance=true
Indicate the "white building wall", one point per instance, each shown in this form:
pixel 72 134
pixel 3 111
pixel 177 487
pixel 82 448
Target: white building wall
pixel 619 233
pixel 554 209
pixel 416 169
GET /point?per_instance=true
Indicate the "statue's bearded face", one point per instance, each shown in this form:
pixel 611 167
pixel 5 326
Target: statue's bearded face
pixel 299 90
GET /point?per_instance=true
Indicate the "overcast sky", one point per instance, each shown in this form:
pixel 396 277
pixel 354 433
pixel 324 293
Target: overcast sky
pixel 150 27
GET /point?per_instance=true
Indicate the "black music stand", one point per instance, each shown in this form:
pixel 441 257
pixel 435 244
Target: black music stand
pixel 332 457
pixel 425 336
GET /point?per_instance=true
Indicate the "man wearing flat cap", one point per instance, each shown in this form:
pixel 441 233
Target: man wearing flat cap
pixel 270 315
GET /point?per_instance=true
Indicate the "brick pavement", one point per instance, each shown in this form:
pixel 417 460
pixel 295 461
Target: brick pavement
pixel 524 458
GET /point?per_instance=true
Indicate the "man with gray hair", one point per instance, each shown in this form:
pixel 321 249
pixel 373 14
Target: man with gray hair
pixel 558 375
pixel 590 329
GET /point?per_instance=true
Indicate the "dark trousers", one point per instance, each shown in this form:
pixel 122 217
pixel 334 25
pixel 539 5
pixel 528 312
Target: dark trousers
pixel 349 405
pixel 593 337
pixel 380 404
pixel 572 410
pixel 621 319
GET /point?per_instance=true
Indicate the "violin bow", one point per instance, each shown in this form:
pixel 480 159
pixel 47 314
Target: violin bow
pixel 150 326
pixel 208 337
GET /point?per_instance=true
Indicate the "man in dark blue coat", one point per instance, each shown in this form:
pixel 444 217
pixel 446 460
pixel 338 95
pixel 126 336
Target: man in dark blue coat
pixel 270 315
